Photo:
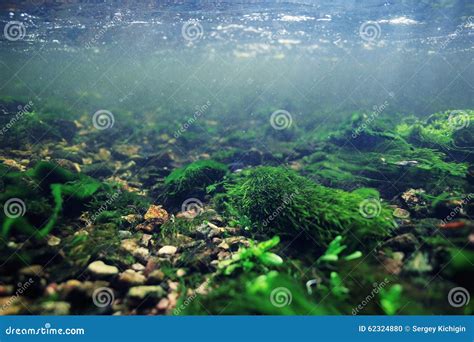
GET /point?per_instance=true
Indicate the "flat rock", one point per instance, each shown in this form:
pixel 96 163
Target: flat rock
pixel 132 278
pixel 167 250
pixel 102 270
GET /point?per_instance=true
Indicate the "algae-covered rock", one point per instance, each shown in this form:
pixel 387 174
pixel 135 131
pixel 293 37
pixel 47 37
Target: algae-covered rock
pixel 193 179
pixel 279 201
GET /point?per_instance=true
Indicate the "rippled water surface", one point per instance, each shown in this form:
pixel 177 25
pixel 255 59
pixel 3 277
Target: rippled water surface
pixel 311 56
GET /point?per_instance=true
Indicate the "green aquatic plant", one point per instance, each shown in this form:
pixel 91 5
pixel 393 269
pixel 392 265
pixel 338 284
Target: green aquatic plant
pixel 192 180
pixel 268 294
pixel 334 249
pixel 48 183
pixel 279 201
pixel 390 300
pixel 442 131
pixel 257 254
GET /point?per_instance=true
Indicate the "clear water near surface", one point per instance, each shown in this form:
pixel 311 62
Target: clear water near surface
pixel 310 57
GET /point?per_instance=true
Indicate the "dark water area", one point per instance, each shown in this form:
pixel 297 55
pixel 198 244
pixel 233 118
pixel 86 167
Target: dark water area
pixel 236 157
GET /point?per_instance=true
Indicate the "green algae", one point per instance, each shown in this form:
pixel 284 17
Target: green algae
pixel 192 179
pixel 279 201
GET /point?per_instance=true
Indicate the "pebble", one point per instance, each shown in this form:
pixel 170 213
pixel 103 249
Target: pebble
pixel 150 292
pixel 124 234
pixel 142 254
pixel 167 250
pixel 53 241
pixel 157 214
pixel 156 277
pixel 405 242
pixel 102 270
pixel 138 267
pixel 132 278
pixel 32 271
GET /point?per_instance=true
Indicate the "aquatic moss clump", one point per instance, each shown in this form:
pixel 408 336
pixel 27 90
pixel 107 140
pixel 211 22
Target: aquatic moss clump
pixel 448 130
pixel 279 201
pixel 193 179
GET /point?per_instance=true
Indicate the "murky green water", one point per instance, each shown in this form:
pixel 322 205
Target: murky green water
pixel 236 157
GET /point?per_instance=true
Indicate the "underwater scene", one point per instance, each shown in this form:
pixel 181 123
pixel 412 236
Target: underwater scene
pixel 236 157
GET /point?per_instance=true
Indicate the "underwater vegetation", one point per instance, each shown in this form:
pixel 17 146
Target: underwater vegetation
pixel 353 218
pixel 279 201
